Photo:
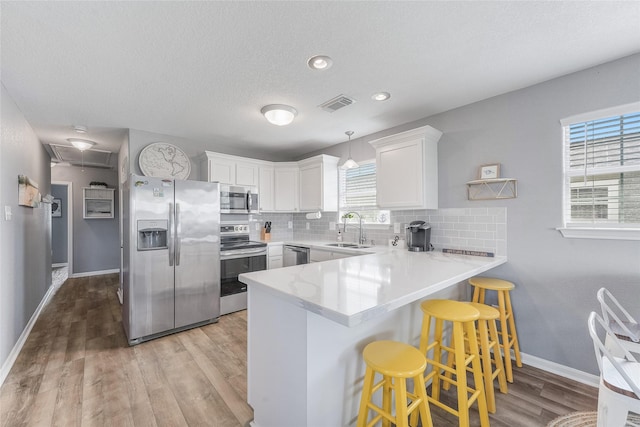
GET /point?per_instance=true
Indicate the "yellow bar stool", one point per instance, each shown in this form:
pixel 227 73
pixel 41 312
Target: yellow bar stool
pixel 488 340
pixel 508 333
pixel 462 317
pixel 396 362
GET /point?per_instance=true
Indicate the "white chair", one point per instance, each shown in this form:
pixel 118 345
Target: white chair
pixel 623 325
pixel 619 390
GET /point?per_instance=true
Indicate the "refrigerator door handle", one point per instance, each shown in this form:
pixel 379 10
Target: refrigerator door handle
pixel 178 242
pixel 249 201
pixel 171 235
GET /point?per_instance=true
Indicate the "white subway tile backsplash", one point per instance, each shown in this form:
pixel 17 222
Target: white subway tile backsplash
pixel 481 229
pixel 475 211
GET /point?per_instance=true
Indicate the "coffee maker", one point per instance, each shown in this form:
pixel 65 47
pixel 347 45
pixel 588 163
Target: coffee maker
pixel 418 236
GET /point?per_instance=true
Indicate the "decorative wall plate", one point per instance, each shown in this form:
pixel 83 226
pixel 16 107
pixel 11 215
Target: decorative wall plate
pixel 164 160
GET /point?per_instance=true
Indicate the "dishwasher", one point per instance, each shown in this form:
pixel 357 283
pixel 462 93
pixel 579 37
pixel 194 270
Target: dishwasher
pixel 295 255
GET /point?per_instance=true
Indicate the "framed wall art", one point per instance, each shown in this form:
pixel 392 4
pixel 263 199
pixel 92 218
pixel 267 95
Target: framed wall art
pixel 28 194
pixel 56 208
pixel 489 171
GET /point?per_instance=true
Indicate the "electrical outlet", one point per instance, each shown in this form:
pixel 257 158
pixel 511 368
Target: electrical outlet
pixel 7 213
pixel 289 225
pixel 308 226
pixel 396 227
pixel 257 226
pixel 332 226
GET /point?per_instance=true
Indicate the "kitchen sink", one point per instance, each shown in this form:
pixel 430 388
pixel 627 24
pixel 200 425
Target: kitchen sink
pixel 346 245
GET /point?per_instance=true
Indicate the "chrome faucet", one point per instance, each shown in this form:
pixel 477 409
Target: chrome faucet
pixel 362 239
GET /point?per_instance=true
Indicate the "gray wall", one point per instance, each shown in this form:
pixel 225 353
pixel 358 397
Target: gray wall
pixel 96 245
pixel 25 244
pixel 556 278
pixel 59 228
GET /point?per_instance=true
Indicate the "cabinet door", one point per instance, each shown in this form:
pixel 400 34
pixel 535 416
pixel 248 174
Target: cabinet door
pixel 400 175
pixel 286 189
pixel 223 171
pixel 311 188
pixel 265 190
pixel 275 262
pixel 246 174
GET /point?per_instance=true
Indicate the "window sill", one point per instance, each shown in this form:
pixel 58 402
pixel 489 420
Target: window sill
pixel 600 233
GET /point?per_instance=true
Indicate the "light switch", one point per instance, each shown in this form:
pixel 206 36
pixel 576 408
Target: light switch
pixel 7 213
pixel 308 226
pixel 290 224
pixel 396 227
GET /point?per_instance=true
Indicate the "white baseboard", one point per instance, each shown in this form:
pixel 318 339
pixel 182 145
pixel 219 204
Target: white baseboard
pixel 8 364
pixel 94 273
pixel 564 371
pixel 60 264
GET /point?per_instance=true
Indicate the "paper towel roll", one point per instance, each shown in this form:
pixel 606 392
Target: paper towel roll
pixel 314 215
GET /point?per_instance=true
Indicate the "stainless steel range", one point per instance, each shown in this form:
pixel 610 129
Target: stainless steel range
pixel 238 255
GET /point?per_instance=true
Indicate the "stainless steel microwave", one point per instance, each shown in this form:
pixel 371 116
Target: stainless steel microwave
pixel 238 199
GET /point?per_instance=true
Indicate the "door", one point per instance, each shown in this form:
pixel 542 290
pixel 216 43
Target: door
pixel 148 286
pixel 197 249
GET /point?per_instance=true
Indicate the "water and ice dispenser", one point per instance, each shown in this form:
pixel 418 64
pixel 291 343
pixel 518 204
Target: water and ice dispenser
pixel 152 234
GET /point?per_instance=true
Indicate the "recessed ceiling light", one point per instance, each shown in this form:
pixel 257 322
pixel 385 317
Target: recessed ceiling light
pixel 279 114
pixel 320 62
pixel 381 96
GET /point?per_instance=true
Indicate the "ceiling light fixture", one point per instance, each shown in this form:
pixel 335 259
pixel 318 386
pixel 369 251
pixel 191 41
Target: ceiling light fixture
pixel 381 96
pixel 350 163
pixel 279 114
pixel 80 128
pixel 81 144
pixel 320 62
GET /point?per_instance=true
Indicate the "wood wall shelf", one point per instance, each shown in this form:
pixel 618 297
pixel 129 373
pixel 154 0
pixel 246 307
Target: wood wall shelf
pixel 492 189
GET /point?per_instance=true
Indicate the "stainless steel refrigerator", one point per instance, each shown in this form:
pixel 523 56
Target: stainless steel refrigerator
pixel 171 259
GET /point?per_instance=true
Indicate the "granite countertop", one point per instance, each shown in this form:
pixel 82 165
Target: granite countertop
pixel 374 281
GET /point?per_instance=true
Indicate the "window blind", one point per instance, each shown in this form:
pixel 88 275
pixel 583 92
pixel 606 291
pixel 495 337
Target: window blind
pixel 602 171
pixel 358 188
pixel 357 192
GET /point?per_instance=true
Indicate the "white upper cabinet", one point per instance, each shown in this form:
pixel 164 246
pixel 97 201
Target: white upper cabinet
pixel 286 187
pixel 247 174
pixel 282 186
pixel 319 183
pixel 227 169
pixel 266 188
pixel 407 169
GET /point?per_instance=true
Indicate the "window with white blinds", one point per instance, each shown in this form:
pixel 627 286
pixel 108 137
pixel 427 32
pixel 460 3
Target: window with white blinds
pixel 602 172
pixel 357 192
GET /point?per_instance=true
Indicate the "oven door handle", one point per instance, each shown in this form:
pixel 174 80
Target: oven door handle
pixel 243 254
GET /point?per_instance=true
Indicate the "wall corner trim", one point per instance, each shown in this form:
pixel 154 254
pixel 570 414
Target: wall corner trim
pixel 562 370
pixel 11 359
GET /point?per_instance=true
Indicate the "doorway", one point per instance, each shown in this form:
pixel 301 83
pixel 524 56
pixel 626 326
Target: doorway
pixel 62 226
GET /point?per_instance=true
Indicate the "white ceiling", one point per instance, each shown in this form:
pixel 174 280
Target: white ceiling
pixel 203 70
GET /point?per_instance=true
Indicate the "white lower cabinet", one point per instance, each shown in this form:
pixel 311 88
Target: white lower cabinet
pixel 318 255
pixel 274 255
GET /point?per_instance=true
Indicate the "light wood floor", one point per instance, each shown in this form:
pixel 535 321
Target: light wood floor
pixel 76 369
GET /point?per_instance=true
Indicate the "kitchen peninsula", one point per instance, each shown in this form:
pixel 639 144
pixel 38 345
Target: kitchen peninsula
pixel 308 324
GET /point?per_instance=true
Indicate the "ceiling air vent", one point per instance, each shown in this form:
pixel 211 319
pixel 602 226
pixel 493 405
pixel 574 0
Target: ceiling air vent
pixel 73 156
pixel 337 103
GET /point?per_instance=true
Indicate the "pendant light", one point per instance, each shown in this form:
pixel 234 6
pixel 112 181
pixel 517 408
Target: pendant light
pixel 350 163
